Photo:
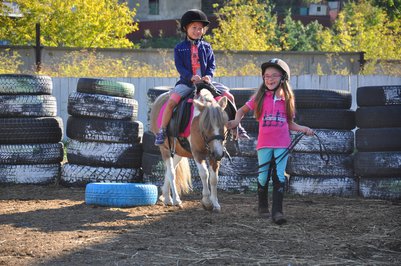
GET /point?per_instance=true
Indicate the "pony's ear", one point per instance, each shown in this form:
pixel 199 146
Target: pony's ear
pixel 223 102
pixel 199 105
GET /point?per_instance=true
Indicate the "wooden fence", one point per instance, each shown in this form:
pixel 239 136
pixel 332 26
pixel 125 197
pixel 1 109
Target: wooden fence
pixel 62 87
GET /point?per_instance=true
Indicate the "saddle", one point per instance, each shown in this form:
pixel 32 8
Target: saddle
pixel 182 114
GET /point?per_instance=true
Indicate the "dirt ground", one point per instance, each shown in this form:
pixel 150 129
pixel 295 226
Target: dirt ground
pixel 52 225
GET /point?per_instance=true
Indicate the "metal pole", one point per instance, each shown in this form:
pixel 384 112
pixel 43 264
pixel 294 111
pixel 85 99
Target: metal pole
pixel 38 49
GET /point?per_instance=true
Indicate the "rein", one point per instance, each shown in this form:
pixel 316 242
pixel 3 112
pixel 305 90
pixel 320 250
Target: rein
pixel 324 155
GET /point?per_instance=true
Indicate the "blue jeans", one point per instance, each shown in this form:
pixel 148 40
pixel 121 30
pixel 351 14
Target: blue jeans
pixel 264 156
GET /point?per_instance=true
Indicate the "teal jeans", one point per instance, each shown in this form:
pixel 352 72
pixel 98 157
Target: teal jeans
pixel 267 154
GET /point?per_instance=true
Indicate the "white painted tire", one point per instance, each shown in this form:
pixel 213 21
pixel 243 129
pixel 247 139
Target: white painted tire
pixel 80 175
pixel 29 174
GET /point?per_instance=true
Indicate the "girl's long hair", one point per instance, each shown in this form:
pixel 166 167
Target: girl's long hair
pixel 288 96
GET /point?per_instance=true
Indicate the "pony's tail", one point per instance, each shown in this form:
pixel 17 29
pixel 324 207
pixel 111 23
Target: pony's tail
pixel 183 177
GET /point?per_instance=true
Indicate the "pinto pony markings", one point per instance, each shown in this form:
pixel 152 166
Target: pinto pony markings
pixel 206 140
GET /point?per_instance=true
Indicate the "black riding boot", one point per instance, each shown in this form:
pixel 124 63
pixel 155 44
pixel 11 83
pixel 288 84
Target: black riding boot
pixel 277 208
pixel 263 206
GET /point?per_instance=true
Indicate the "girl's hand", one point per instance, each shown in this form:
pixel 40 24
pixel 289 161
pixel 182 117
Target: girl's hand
pixel 207 79
pixel 232 124
pixel 195 78
pixel 308 131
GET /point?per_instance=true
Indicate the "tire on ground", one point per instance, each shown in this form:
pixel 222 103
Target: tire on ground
pixel 80 175
pixel 120 194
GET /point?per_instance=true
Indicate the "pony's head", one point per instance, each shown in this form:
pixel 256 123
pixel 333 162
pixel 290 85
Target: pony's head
pixel 212 121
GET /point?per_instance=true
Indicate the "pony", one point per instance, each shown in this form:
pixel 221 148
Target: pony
pixel 206 140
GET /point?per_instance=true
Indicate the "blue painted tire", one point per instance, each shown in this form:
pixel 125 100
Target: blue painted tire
pixel 120 194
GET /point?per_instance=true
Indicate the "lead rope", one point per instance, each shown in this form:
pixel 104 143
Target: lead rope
pixel 324 155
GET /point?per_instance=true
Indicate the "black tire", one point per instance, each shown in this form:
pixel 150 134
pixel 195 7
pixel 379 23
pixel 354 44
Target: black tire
pixel 323 185
pixel 44 153
pixel 31 130
pixel 388 188
pixel 153 166
pixel 378 116
pixel 242 95
pixel 378 95
pixel 102 106
pixel 25 84
pixel 243 147
pixel 106 87
pixel 80 175
pixel 40 174
pixel 311 98
pixel 378 139
pixel 104 130
pixel 240 166
pixel 250 124
pixel 27 105
pixel 153 93
pixel 148 142
pixel 377 164
pixel 311 164
pixel 326 118
pixel 120 194
pixel 120 155
pixel 335 141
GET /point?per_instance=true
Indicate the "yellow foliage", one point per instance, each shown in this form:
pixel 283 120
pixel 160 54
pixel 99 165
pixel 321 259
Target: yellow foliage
pixel 9 62
pixel 73 23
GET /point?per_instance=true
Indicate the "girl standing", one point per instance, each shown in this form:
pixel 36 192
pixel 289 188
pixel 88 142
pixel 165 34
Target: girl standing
pixel 274 108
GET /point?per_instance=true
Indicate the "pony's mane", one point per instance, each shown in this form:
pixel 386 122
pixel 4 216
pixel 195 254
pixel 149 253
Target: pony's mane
pixel 212 115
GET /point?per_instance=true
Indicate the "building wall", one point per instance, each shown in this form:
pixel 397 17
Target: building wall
pixel 168 9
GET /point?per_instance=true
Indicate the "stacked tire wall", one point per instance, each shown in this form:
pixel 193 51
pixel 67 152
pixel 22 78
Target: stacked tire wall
pixel 30 131
pixel 240 174
pixel 328 113
pixel 378 141
pixel 104 137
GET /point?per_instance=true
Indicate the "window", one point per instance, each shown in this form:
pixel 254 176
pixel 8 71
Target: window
pixel 153 7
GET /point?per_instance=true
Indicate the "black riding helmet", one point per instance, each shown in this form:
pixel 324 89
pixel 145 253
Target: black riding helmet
pixel 280 64
pixel 193 15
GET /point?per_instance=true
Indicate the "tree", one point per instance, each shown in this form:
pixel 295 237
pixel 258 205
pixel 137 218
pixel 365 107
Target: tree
pixel 294 36
pixel 70 23
pixel 243 25
pixel 367 28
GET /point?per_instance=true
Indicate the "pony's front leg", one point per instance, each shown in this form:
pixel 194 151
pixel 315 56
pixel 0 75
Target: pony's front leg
pixel 204 175
pixel 169 182
pixel 214 179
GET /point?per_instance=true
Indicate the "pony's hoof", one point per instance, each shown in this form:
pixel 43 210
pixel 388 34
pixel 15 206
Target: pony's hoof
pixel 207 207
pixel 180 206
pixel 217 209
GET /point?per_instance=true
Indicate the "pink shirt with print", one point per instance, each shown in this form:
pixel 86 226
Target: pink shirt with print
pixel 273 124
